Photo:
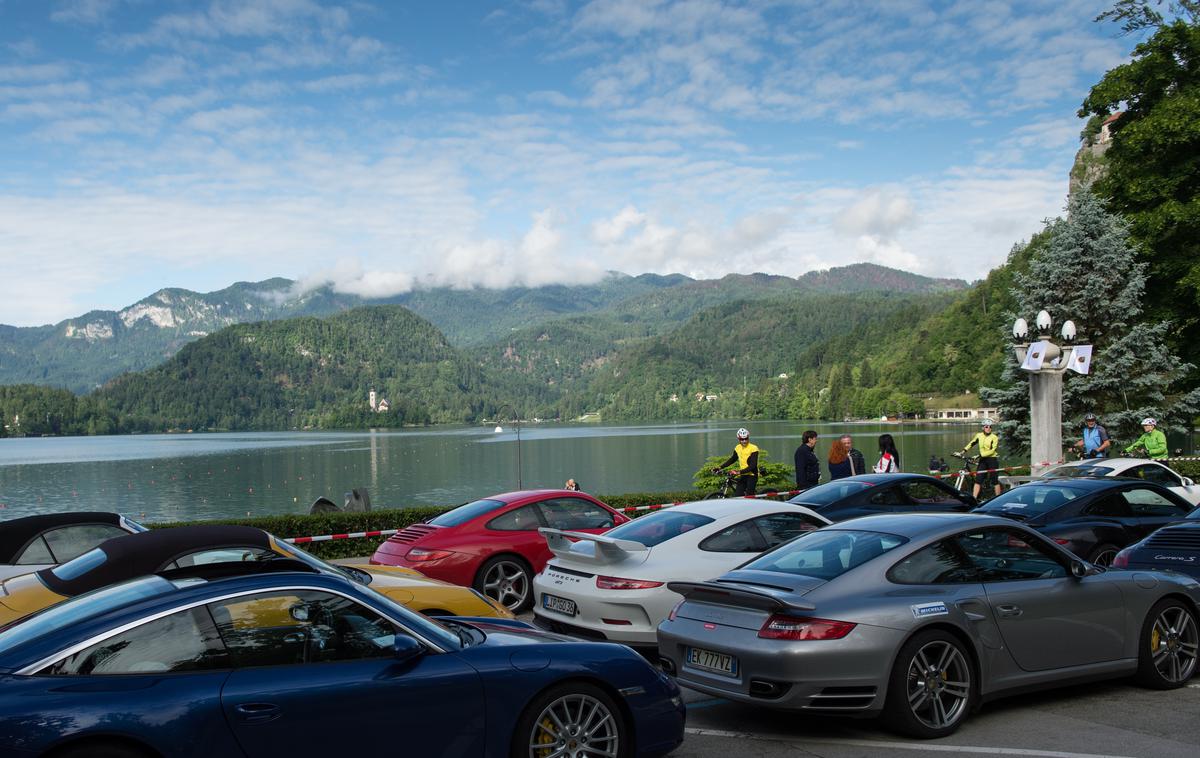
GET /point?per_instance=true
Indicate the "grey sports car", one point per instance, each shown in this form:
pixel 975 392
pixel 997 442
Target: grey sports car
pixel 922 617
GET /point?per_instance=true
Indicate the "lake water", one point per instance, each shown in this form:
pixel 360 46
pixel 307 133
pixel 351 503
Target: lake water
pixel 199 476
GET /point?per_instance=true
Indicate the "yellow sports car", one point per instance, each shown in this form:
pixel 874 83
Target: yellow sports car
pixel 186 550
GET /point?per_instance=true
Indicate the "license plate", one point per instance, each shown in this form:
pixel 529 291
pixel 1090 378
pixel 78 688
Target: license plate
pixel 558 604
pixel 710 661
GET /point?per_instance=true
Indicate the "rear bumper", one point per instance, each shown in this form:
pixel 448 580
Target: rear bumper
pixel 637 612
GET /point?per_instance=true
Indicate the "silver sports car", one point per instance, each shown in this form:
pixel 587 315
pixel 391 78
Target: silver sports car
pixel 922 617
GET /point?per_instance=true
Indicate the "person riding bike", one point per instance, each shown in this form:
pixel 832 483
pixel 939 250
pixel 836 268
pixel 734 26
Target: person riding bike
pixel 1153 441
pixel 745 454
pixel 989 459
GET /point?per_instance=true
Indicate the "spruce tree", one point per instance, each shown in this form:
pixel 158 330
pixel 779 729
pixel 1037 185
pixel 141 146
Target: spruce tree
pixel 1086 270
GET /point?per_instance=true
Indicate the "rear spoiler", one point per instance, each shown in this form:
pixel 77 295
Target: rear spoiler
pixel 608 550
pixel 737 595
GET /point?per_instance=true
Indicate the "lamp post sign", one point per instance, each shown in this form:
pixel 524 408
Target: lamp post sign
pixel 1046 363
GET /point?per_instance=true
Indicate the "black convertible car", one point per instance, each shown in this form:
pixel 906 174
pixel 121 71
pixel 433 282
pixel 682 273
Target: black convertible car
pixel 1093 518
pixel 33 542
pixel 869 494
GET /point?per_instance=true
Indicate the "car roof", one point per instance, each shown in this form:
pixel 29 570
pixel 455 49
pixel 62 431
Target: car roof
pixel 917 525
pixel 719 508
pixel 1088 483
pixel 517 495
pixel 883 478
pixel 137 554
pixel 16 534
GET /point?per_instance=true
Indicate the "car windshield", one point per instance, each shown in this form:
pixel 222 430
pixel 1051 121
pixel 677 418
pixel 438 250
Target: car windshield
pixel 1072 470
pixel 658 527
pixel 292 551
pixel 826 553
pixel 1030 500
pixel 464 513
pixel 80 608
pixel 824 494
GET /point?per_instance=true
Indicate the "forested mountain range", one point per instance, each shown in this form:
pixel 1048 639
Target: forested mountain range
pixel 83 353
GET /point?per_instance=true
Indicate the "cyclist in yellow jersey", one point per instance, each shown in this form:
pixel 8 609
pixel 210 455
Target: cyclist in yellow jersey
pixel 989 459
pixel 745 454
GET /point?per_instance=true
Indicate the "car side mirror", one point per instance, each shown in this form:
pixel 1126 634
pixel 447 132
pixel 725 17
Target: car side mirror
pixel 1186 482
pixel 405 649
pixel 1079 569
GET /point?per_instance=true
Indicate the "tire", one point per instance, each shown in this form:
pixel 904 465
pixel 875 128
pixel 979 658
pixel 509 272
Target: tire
pixel 100 749
pixel 930 707
pixel 577 706
pixel 1103 555
pixel 1168 646
pixel 508 580
pixel 715 496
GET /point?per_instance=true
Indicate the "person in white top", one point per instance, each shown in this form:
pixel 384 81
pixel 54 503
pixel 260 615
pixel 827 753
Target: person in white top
pixel 889 458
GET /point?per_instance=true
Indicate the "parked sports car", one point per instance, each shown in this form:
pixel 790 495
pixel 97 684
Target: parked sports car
pixel 135 555
pixel 921 617
pixel 613 585
pixel 35 542
pixel 1175 547
pixel 493 544
pixel 868 494
pixel 186 665
pixel 1093 518
pixel 1131 468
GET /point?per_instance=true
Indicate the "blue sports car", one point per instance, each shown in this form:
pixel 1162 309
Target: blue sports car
pixel 242 660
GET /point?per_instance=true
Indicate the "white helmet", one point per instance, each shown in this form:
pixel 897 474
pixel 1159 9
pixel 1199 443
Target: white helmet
pixel 743 434
pixel 986 422
pixel 1149 421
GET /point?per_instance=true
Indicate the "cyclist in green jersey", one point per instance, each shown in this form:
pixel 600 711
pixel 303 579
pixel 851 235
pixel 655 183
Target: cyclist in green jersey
pixel 1153 441
pixel 989 458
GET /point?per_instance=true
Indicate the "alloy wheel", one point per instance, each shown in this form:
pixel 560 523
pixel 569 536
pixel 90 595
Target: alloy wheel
pixel 507 582
pixel 1104 557
pixel 1174 644
pixel 575 726
pixel 939 684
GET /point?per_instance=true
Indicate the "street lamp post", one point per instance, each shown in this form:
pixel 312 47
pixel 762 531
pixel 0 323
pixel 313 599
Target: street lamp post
pixel 517 423
pixel 1046 363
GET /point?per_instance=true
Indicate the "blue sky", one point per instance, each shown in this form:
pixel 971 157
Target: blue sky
pixel 381 146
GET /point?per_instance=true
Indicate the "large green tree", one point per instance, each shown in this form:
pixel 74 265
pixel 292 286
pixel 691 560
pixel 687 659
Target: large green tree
pixel 1153 175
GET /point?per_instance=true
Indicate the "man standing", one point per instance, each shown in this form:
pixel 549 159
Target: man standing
pixel 1153 441
pixel 858 464
pixel 989 458
pixel 745 454
pixel 808 468
pixel 1095 442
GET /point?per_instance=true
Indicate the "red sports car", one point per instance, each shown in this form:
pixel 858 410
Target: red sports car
pixel 493 544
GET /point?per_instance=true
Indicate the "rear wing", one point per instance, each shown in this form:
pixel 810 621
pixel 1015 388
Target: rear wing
pixel 738 596
pixel 607 550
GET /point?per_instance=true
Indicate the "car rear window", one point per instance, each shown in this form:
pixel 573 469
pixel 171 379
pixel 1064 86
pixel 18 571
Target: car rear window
pixel 77 567
pixel 659 527
pixel 826 553
pixel 1030 500
pixel 1070 471
pixel 465 512
pixel 824 494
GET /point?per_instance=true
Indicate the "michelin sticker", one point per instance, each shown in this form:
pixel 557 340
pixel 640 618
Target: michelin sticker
pixel 925 610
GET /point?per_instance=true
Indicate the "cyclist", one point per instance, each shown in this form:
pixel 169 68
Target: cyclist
pixel 745 454
pixel 989 459
pixel 1095 442
pixel 1153 441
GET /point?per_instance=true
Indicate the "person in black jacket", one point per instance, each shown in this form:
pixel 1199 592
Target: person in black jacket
pixel 808 468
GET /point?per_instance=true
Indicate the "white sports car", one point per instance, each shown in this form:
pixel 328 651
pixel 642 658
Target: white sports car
pixel 613 586
pixel 1134 468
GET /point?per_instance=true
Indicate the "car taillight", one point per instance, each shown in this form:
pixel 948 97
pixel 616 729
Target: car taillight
pixel 1121 559
pixel 617 583
pixel 1061 541
pixel 421 554
pixel 675 610
pixel 781 627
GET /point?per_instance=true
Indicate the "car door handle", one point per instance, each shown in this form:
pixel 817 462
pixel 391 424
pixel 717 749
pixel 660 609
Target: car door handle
pixel 1009 611
pixel 257 713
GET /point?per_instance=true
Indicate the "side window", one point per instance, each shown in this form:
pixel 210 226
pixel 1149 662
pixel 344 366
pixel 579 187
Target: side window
pixel 36 553
pixel 575 513
pixel 939 563
pixel 1154 473
pixel 778 528
pixel 223 555
pixel 739 538
pixel 306 626
pixel 1147 502
pixel 1111 506
pixel 888 496
pixel 521 519
pixel 73 541
pixel 926 492
pixel 183 641
pixel 1000 555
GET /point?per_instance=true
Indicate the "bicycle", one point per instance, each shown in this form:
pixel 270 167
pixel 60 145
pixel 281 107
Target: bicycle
pixel 965 470
pixel 728 486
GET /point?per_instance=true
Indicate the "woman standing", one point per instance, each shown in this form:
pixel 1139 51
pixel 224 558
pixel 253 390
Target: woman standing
pixel 839 460
pixel 889 458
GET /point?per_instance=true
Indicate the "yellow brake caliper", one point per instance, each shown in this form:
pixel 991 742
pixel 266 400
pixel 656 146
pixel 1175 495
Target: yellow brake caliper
pixel 546 738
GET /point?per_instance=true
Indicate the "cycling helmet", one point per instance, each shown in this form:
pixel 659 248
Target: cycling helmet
pixel 986 422
pixel 1090 417
pixel 1149 421
pixel 743 434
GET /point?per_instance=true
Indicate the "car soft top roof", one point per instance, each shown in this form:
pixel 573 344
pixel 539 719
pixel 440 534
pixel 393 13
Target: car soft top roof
pixel 138 554
pixel 16 534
